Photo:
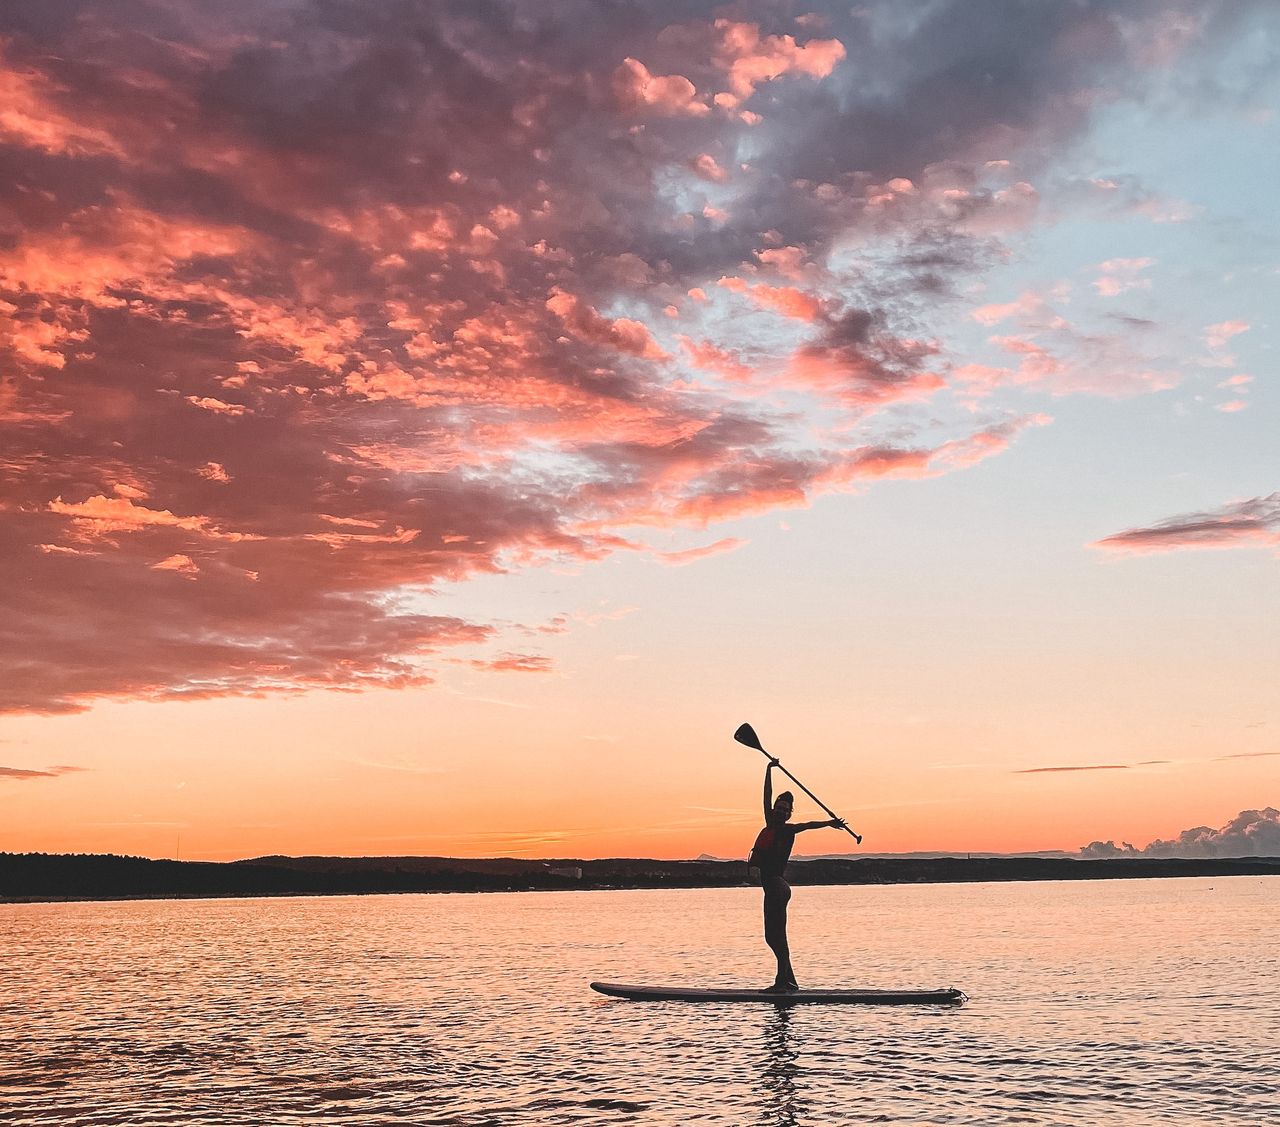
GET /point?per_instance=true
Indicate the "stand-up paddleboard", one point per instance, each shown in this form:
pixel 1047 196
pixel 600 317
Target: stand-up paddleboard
pixel 949 997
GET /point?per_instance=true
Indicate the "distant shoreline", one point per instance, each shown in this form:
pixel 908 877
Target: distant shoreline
pixel 53 878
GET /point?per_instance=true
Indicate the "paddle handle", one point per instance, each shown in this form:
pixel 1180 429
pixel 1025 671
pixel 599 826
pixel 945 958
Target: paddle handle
pixel 856 836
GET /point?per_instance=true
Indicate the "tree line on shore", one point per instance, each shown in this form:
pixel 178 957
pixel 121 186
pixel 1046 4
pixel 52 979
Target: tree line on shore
pixel 49 876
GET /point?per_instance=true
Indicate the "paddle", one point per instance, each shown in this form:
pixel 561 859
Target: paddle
pixel 746 734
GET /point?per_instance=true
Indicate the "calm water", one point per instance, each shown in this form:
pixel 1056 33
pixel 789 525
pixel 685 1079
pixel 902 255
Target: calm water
pixel 1125 1002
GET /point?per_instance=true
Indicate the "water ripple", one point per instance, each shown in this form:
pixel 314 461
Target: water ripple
pixel 1127 1003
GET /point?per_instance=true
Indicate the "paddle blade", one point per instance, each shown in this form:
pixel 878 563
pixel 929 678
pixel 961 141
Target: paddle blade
pixel 746 734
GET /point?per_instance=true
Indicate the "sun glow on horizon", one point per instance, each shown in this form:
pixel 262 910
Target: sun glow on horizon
pixel 429 430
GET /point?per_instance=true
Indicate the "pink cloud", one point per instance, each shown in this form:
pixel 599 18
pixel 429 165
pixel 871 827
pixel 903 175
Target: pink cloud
pixel 623 334
pixel 766 488
pixel 1160 209
pixel 882 195
pixel 751 59
pixel 1118 275
pixel 787 261
pixel 856 361
pixel 786 300
pixel 1028 305
pixel 1037 362
pixel 982 379
pixel 1071 363
pixel 1215 336
pixel 887 461
pixel 704 165
pixel 691 555
pixel 672 94
pixel 725 362
pixel 514 663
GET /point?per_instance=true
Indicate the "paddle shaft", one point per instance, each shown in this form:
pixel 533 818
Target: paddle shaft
pixel 856 836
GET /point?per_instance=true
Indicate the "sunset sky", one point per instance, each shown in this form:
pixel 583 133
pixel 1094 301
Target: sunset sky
pixel 432 428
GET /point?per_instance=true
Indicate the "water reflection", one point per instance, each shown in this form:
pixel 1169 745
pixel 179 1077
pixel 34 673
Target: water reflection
pixel 780 1071
pixel 474 1011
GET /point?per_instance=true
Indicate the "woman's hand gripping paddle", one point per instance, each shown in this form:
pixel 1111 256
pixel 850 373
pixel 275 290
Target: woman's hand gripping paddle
pixel 746 734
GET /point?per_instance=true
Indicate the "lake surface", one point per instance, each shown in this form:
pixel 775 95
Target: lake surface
pixel 1107 1002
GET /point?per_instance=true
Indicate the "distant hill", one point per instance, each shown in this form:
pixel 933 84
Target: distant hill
pixel 503 865
pixel 922 855
pixel 40 876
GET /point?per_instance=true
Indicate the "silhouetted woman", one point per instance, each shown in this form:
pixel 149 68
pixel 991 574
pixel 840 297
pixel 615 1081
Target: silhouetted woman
pixel 769 856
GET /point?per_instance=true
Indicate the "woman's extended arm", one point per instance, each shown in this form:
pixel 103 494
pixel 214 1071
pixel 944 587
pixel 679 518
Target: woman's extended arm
pixel 768 790
pixel 833 823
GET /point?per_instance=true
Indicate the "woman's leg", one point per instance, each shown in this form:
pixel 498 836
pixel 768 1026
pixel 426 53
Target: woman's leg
pixel 776 894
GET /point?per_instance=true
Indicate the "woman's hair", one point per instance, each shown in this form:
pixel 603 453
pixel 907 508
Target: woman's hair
pixel 787 795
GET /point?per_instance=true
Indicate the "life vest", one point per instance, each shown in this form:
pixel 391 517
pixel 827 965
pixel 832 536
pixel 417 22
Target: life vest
pixel 765 844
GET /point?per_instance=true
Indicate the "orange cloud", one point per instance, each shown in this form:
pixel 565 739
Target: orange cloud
pixel 217 406
pixel 30 116
pixel 183 565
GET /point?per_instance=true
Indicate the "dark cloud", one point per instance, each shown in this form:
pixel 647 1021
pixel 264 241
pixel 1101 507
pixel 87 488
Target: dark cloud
pixel 1132 322
pixel 1092 767
pixel 23 773
pixel 1241 524
pixel 857 359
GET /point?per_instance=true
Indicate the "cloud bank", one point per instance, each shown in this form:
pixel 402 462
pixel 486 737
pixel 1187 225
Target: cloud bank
pixel 1251 833
pixel 308 306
